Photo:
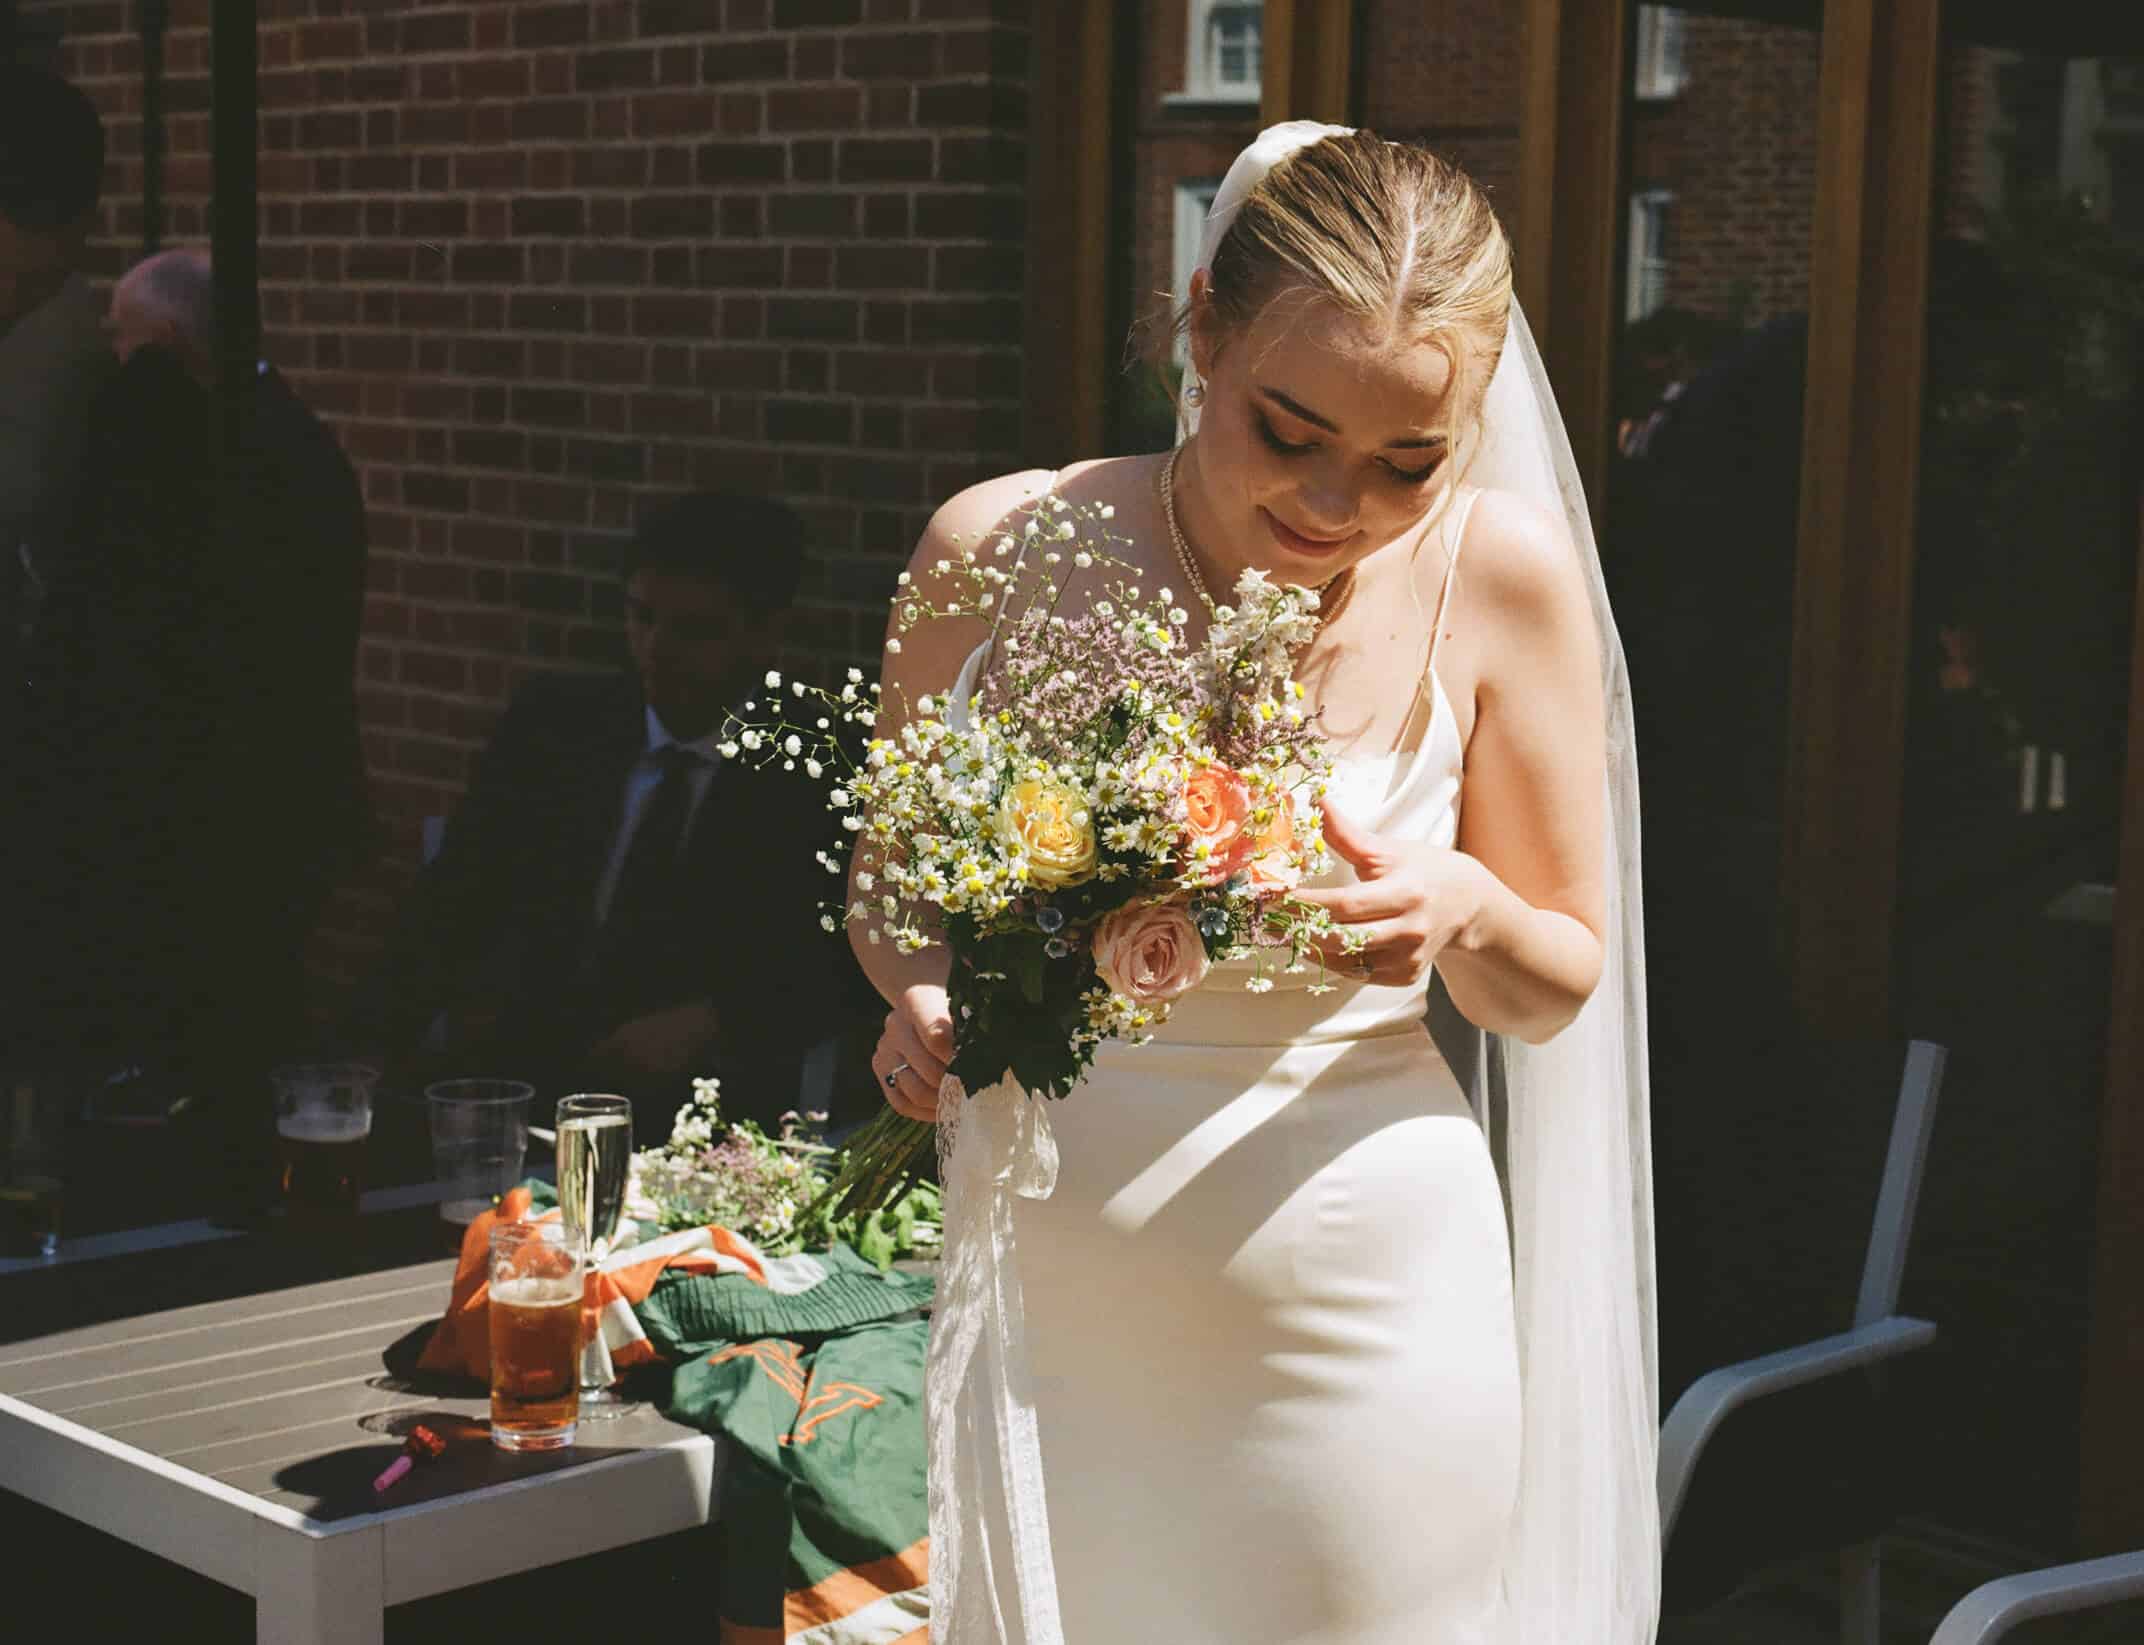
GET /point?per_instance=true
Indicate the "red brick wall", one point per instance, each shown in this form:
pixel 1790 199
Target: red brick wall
pixel 542 263
pixel 1447 77
pixel 1738 147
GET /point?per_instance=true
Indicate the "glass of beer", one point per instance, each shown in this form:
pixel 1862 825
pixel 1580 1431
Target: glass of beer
pixel 595 1154
pixel 537 1274
pixel 323 1116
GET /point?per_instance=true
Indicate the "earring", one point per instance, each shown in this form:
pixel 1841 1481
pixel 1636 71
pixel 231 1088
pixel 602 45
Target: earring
pixel 1195 394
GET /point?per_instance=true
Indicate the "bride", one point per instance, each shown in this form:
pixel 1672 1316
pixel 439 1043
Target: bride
pixel 1302 1347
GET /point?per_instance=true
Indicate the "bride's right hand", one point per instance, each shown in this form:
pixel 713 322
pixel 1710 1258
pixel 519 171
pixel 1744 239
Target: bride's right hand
pixel 914 1050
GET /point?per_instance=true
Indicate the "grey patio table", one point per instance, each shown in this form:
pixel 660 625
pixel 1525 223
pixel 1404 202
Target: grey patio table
pixel 226 1436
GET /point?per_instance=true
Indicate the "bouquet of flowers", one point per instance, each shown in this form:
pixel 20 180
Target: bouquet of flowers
pixel 1111 813
pixel 771 1190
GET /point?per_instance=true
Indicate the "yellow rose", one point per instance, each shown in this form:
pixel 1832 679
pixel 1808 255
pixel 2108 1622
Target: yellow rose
pixel 1050 825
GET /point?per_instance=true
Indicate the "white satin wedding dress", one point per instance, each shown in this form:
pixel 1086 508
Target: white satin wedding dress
pixel 1269 1314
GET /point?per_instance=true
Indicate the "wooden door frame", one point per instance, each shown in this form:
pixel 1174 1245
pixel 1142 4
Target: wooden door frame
pixel 1568 226
pixel 1068 355
pixel 1308 69
pixel 1854 558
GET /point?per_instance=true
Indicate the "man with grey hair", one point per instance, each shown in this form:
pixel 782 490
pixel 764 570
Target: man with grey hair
pixel 193 778
pixel 168 301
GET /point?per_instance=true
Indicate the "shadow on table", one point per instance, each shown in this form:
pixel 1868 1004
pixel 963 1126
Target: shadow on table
pixel 338 1484
pixel 403 1375
pixel 75 1296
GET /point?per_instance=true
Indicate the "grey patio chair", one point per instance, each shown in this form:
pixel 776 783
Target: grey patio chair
pixel 1991 1610
pixel 1879 1334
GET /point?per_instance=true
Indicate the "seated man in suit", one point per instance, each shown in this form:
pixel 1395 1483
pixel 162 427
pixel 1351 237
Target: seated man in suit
pixel 617 908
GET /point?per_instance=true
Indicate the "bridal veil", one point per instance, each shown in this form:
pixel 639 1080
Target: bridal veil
pixel 1569 1120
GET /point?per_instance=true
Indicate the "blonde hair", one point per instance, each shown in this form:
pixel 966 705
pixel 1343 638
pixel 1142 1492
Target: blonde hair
pixel 1388 232
pixel 1396 237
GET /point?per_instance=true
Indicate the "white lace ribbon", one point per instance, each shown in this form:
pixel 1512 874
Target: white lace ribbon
pixel 992 1579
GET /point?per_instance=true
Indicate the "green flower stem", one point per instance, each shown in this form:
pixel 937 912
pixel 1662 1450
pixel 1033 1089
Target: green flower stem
pixel 884 1160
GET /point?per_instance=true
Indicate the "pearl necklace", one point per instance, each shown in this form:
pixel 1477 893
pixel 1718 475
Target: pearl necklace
pixel 1183 549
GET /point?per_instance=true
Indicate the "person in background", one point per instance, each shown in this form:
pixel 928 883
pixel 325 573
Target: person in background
pixel 616 906
pixel 53 357
pixel 191 768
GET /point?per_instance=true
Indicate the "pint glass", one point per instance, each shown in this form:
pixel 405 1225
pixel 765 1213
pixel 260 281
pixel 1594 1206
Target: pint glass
pixel 323 1118
pixel 535 1307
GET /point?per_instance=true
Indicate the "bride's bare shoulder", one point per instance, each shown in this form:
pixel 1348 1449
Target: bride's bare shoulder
pixel 990 505
pixel 1000 504
pixel 983 507
pixel 931 652
pixel 1518 557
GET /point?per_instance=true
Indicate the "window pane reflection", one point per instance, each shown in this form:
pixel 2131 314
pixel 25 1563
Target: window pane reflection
pixel 1698 542
pixel 1196 106
pixel 1699 527
pixel 2019 667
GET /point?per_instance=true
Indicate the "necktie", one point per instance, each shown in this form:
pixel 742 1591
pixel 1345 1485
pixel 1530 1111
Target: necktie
pixel 642 947
pixel 652 853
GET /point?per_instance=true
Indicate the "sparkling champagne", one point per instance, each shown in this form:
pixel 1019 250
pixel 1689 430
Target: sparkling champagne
pixel 594 1152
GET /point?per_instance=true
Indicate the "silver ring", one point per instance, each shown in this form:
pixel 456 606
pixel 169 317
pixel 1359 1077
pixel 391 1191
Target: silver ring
pixel 893 1075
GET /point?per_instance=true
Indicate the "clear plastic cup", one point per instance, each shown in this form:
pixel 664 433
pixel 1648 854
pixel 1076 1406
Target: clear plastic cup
pixel 480 1133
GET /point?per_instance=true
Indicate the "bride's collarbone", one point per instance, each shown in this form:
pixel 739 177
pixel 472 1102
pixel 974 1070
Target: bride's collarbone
pixel 1361 727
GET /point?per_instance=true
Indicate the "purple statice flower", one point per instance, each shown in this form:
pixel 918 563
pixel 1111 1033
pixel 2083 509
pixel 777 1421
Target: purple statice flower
pixel 1065 680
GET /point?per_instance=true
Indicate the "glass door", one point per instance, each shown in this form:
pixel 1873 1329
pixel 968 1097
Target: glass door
pixel 2019 671
pixel 1698 541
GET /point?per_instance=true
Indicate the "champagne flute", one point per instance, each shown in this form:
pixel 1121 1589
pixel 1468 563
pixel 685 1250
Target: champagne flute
pixel 595 1150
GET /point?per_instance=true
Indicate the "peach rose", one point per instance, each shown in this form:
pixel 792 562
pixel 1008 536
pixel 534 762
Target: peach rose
pixel 1269 851
pixel 1216 806
pixel 1150 952
pixel 1049 823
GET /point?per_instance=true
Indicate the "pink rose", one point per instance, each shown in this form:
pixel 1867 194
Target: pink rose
pixel 1150 952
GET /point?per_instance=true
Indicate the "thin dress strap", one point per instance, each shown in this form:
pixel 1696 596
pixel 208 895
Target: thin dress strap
pixel 1455 535
pixel 1424 707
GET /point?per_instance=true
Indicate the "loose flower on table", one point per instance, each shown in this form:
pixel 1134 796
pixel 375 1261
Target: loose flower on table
pixel 772 1190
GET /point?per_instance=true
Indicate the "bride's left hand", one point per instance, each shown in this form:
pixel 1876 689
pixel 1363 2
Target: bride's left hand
pixel 1413 900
